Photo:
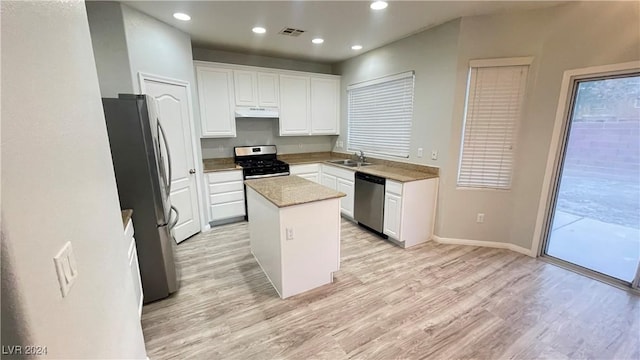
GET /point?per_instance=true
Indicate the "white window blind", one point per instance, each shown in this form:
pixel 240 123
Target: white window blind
pixel 379 115
pixel 494 101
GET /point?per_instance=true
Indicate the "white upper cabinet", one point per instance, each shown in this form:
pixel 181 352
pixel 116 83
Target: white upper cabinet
pixel 325 109
pixel 268 90
pixel 217 105
pixel 256 88
pixel 246 83
pixel 294 105
pixel 307 103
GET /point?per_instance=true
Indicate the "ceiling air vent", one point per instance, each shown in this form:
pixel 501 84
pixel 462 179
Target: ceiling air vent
pixel 291 32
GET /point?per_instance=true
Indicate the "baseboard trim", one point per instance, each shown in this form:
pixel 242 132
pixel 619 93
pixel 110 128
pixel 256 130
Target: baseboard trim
pixel 480 243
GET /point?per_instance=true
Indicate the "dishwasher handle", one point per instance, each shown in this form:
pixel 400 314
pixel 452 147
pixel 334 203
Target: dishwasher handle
pixel 370 178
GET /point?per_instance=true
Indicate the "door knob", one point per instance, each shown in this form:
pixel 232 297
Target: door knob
pixel 192 171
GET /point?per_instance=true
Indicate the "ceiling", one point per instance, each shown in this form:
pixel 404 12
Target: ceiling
pixel 226 25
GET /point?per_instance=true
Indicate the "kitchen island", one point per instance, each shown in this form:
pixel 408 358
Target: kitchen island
pixel 294 232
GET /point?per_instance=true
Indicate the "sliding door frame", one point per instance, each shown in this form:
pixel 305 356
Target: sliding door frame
pixel 555 159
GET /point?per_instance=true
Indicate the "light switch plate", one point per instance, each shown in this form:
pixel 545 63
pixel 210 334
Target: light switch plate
pixel 66 268
pixel 420 152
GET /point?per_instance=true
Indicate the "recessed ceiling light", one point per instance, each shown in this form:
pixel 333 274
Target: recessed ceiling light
pixel 356 47
pixel 317 41
pixel 378 5
pixel 182 16
pixel 259 30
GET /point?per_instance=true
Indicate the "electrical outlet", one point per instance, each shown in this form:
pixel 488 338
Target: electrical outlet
pixel 420 152
pixel 480 218
pixel 300 146
pixel 340 144
pixel 434 154
pixel 289 233
pixel 66 268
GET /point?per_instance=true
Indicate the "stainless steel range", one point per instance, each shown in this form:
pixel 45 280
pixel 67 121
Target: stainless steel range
pixel 259 162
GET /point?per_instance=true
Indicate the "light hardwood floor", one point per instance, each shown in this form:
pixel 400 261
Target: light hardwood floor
pixel 430 302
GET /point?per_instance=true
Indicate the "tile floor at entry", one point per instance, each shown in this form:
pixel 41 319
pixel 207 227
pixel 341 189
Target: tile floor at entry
pixel 433 301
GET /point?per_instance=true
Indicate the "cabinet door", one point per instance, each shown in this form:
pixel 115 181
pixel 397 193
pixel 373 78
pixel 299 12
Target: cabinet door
pixel 268 88
pixel 392 215
pixel 217 105
pixel 246 85
pixel 329 181
pixel 346 203
pixel 325 98
pixel 294 105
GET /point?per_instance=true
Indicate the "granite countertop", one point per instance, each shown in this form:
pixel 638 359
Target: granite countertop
pixel 126 215
pixel 392 170
pixel 223 164
pixel 393 173
pixel 291 190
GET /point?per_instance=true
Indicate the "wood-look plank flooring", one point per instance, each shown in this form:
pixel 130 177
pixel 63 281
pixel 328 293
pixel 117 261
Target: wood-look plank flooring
pixel 431 302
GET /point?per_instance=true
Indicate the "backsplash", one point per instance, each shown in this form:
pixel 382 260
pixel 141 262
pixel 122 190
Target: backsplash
pixel 264 132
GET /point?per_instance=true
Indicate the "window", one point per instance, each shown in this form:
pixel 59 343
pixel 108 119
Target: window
pixel 379 115
pixel 495 90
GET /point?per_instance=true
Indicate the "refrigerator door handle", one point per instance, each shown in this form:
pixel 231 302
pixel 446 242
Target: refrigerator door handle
pixel 166 147
pixel 173 223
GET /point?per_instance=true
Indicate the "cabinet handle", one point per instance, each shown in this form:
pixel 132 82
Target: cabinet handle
pixel 192 171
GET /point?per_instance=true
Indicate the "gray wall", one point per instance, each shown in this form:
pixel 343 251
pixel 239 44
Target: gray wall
pixel 259 60
pixel 264 132
pixel 110 47
pixel 58 185
pixel 559 38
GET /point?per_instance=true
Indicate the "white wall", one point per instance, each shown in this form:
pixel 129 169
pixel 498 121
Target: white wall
pixel 58 185
pixel 559 38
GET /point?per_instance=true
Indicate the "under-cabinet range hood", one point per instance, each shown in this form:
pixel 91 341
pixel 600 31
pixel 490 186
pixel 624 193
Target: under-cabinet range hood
pixel 257 112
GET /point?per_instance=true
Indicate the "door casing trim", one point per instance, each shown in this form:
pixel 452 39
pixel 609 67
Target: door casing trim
pixel 555 148
pixel 142 76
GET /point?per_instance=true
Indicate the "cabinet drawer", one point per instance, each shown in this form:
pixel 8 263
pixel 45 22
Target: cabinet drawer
pixel 226 187
pixel 227 210
pixel 304 169
pixel 224 176
pixel 393 187
pixel 226 197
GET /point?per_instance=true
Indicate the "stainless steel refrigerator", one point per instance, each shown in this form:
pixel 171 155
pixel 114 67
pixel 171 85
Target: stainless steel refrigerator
pixel 142 167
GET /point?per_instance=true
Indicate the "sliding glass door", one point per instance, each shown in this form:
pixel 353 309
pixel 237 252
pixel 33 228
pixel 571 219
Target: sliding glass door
pixel 594 221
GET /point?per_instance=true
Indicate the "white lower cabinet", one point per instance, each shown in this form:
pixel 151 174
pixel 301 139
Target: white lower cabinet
pixel 392 215
pixel 347 187
pixel 409 210
pixel 134 268
pixel 226 194
pixel 342 180
pixel 308 171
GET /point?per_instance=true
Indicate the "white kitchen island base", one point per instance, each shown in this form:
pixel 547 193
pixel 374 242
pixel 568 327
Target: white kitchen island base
pixel 297 246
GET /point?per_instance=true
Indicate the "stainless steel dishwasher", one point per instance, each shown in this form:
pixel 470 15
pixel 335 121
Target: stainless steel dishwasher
pixel 369 201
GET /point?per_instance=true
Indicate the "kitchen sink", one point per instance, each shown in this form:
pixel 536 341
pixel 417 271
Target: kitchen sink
pixel 349 163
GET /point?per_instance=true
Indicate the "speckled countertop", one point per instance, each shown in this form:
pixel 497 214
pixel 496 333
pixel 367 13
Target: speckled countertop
pixel 126 215
pixel 285 191
pixel 223 164
pixel 392 170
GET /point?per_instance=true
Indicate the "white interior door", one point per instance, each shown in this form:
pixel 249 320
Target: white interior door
pixel 174 115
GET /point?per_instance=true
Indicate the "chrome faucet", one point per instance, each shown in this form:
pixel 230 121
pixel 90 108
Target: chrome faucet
pixel 361 157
